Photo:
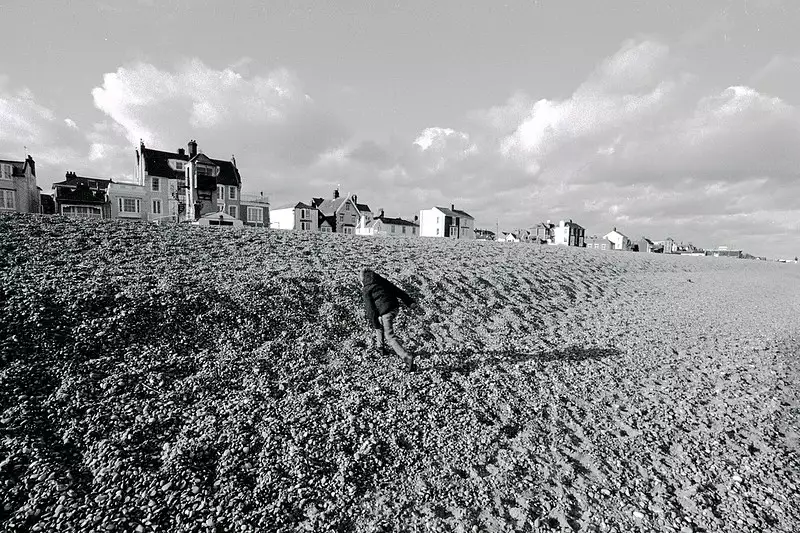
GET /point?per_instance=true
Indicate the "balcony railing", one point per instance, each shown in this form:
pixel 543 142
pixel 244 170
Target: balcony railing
pixel 255 198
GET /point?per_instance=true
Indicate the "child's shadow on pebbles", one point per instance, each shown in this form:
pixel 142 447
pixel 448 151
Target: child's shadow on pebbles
pixel 467 363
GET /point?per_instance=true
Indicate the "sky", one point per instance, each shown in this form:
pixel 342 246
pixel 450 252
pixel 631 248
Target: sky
pixel 661 119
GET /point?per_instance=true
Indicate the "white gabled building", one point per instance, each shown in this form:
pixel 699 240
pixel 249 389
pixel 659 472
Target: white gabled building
pixel 299 216
pixel 618 240
pixel 443 222
pixel 387 226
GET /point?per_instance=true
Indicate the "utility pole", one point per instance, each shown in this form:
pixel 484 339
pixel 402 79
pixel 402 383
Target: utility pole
pixel 497 229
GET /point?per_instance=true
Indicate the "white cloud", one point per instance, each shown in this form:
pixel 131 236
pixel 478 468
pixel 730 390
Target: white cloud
pixel 71 123
pixel 195 100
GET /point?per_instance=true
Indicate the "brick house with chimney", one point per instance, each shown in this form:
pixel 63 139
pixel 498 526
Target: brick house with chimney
pixel 187 184
pixel 83 197
pixel 340 214
pixel 18 190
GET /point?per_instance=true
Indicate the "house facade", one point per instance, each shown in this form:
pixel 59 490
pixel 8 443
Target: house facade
pixel 646 245
pixel 340 214
pixel 387 226
pixel 568 233
pixel 300 216
pixel 484 235
pixel 542 233
pixel 449 223
pixel 508 236
pixel 620 241
pixel 187 184
pixel 599 243
pixel 79 196
pixel 18 190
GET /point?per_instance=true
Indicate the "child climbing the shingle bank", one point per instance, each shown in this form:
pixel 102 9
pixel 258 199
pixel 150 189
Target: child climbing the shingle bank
pixel 381 303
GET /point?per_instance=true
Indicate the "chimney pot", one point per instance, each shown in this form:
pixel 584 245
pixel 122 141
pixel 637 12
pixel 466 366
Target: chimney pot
pixel 452 207
pixel 192 148
pixel 181 151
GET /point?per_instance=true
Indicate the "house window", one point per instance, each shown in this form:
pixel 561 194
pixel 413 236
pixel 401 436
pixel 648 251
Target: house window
pixel 304 213
pixel 392 228
pixel 603 246
pixel 325 229
pixel 82 211
pixel 156 207
pixel 179 165
pixel 7 200
pixel 156 185
pixel 204 170
pixel 437 231
pixel 347 207
pixel 307 226
pixel 231 193
pixel 404 229
pixel 255 214
pixel 413 231
pixel 348 230
pixel 129 205
pixel 341 217
pixel 232 210
pixel 6 171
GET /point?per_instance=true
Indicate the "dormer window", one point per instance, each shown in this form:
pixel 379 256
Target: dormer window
pixel 6 171
pixel 179 166
pixel 204 170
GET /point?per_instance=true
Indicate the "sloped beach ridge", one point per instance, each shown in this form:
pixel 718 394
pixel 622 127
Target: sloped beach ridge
pixel 162 378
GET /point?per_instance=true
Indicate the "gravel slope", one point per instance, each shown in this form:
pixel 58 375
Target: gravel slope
pixel 192 379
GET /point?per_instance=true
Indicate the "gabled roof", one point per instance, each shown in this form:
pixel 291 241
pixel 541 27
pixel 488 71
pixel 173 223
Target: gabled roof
pixel 617 232
pixel 395 221
pixel 157 164
pixel 74 181
pixel 330 206
pixel 454 212
pixel 301 205
pixel 648 241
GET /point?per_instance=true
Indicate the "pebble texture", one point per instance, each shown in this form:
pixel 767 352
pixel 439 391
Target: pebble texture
pixel 158 378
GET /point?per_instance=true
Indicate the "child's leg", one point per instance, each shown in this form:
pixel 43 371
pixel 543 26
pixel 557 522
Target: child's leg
pixel 388 332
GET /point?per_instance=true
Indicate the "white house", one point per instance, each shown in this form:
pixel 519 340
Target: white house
pixel 299 216
pixel 568 233
pixel 618 240
pixel 508 237
pixel 443 222
pixel 383 225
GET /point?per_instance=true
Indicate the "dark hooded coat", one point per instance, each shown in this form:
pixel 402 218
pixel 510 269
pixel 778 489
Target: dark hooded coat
pixel 381 297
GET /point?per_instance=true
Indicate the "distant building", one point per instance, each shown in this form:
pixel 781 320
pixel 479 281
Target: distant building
pixel 83 197
pixel 619 240
pixel 484 235
pixel 187 184
pixel 568 233
pixel 646 245
pixel 18 190
pixel 46 203
pixel 723 251
pixel 448 223
pixel 542 233
pixel 507 236
pixel 387 226
pixel 299 216
pixel 599 243
pixel 340 214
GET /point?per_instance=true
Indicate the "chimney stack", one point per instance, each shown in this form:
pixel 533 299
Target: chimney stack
pixel 233 160
pixel 381 215
pixel 181 151
pixel 192 148
pixel 336 193
pixel 32 165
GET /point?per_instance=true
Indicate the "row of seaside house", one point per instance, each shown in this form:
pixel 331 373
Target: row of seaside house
pixel 188 186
